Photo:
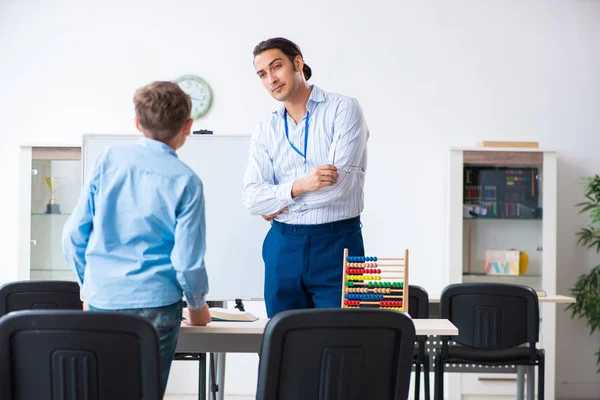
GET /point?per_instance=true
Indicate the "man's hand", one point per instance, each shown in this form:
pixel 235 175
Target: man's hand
pixel 86 306
pixel 270 217
pixel 320 177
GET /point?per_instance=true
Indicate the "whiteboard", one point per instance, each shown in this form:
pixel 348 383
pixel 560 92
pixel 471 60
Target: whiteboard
pixel 233 237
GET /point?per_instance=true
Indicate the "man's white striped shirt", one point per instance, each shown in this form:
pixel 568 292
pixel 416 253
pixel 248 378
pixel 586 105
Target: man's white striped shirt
pixel 337 134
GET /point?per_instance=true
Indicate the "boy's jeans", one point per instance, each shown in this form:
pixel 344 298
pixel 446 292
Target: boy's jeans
pixel 167 320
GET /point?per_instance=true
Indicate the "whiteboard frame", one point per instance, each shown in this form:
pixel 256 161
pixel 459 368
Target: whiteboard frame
pixel 128 137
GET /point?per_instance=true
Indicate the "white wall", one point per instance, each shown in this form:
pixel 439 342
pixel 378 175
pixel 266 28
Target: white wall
pixel 430 75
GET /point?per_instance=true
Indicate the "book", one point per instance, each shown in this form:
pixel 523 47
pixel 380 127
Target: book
pixel 222 314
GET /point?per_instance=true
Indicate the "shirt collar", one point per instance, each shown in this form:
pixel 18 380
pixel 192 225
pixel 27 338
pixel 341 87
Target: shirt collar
pixel 155 145
pixel 316 96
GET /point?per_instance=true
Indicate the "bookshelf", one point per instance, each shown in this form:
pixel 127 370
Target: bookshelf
pixel 503 201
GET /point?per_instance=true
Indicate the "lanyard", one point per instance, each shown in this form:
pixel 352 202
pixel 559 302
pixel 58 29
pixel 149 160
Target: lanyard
pixel 305 134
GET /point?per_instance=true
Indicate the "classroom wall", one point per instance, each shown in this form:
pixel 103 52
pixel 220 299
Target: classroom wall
pixel 430 75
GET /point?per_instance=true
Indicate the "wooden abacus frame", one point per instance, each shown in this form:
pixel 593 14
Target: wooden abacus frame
pixel 399 265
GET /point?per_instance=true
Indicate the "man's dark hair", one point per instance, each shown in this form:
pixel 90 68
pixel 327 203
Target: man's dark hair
pixel 287 47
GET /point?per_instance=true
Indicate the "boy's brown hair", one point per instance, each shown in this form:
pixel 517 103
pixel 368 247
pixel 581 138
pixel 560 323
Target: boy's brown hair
pixel 162 109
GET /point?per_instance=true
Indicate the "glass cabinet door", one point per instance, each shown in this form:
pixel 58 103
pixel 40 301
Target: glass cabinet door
pixel 503 218
pixel 55 188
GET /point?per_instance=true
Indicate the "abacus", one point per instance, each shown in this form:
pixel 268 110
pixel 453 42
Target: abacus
pixel 371 282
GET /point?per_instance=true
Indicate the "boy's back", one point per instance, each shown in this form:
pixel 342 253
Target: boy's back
pixel 136 239
pixel 137 193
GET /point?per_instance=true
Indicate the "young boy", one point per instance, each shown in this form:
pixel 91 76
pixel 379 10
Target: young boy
pixel 136 239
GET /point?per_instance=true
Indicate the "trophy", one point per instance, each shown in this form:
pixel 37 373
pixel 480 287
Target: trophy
pixel 52 207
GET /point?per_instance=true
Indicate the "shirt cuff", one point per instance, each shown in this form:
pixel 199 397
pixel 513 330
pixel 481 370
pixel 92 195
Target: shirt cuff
pixel 195 302
pixel 284 194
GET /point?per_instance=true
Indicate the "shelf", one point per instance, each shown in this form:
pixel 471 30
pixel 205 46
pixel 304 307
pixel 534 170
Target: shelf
pixel 50 270
pixel 67 214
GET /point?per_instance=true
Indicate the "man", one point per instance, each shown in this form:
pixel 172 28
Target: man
pixel 305 175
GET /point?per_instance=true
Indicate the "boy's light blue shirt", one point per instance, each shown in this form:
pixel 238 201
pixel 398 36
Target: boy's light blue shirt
pixel 137 236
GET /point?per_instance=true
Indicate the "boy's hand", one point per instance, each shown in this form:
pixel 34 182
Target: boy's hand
pixel 270 217
pixel 86 306
pixel 198 318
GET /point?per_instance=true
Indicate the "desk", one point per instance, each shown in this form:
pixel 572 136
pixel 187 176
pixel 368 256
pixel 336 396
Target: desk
pixel 246 337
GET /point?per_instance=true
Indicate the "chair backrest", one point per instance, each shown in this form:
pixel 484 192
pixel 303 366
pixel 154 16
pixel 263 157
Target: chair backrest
pixel 77 355
pixel 348 354
pixel 492 316
pixel 40 295
pixel 418 308
pixel 418 302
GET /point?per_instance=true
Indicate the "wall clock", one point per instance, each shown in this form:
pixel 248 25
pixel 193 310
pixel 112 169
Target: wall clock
pixel 199 91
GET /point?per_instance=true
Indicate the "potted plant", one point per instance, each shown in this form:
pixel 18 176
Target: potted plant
pixel 587 288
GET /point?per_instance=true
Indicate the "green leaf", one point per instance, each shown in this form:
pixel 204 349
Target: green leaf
pixel 587 287
pixel 587 207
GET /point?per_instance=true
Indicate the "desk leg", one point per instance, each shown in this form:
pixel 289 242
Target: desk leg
pixel 530 382
pixel 202 377
pixel 213 387
pixel 221 376
pixel 521 382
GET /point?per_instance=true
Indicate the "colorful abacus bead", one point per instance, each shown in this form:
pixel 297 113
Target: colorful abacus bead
pixel 356 271
pixel 390 303
pixel 360 296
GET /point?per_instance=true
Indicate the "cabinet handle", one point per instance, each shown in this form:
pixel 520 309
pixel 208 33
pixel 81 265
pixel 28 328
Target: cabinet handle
pixel 33 242
pixel 498 379
pixel 34 172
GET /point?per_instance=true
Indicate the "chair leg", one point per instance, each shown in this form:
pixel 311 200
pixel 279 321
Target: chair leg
pixel 426 371
pixel 530 382
pixel 417 379
pixel 439 379
pixel 541 376
pixel 521 382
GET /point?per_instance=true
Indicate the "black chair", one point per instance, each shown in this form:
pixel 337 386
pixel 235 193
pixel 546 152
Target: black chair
pixel 76 355
pixel 498 324
pixel 348 354
pixel 41 295
pixel 418 308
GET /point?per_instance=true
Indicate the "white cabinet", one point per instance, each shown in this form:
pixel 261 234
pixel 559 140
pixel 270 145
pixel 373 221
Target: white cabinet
pixel 503 199
pixel 50 184
pixel 481 385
